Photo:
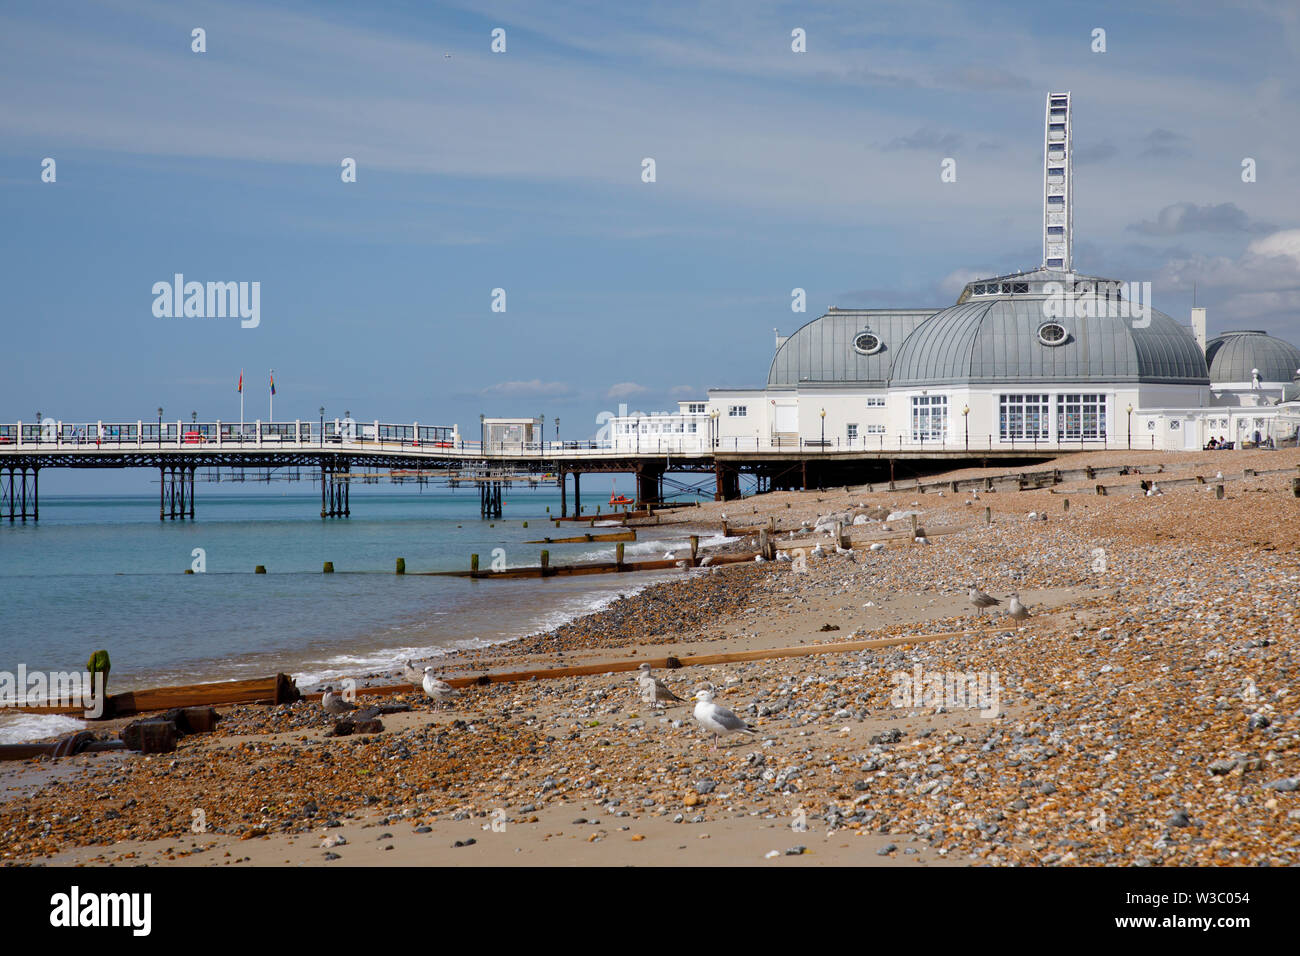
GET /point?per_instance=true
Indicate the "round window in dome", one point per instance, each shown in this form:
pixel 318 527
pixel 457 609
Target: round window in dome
pixel 868 343
pixel 1052 333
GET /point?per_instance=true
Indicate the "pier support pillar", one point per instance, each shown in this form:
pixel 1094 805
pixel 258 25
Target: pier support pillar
pixel 577 494
pixel 564 493
pixel 334 490
pixel 727 486
pixel 649 485
pixel 20 494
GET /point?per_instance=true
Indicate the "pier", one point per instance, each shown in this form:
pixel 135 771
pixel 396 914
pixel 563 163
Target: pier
pixel 342 453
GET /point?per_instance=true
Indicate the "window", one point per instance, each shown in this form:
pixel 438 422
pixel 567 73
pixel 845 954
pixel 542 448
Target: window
pixel 1023 416
pixel 1056 230
pixel 1019 288
pixel 977 289
pixel 695 408
pixel 692 427
pixel 852 432
pixel 875 429
pixel 1056 200
pixel 1080 416
pixel 737 411
pixel 1056 170
pixel 1052 333
pixel 929 417
pixel 1054 263
pixel 868 343
pixel 875 401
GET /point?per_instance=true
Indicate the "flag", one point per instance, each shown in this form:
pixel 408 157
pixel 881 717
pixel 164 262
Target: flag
pixel 272 381
pixel 240 388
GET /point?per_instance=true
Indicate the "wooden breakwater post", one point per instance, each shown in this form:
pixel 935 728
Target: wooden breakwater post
pixel 1065 505
pixel 618 555
pixel 765 547
pixel 695 546
pixel 725 532
pixel 260 569
pixel 988 515
pixel 401 565
pixel 913 523
pixel 1218 491
pixel 1295 487
pixel 473 564
pixel 1101 491
pixel 546 562
pixel 328 568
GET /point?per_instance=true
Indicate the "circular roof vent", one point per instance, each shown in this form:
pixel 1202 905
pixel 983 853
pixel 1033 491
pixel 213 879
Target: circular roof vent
pixel 1052 333
pixel 867 343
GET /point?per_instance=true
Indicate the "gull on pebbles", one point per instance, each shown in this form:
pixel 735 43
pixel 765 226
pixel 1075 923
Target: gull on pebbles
pixel 334 703
pixel 1015 609
pixel 437 689
pixel 982 600
pixel 716 718
pixel 653 690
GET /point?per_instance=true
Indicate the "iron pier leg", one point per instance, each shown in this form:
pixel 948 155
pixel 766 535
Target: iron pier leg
pixel 564 498
pixel 577 494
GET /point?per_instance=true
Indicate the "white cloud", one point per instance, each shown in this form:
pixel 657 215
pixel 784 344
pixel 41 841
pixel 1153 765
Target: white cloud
pixel 531 388
pixel 625 390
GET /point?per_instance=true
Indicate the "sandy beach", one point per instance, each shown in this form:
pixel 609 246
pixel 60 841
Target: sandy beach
pixel 1146 713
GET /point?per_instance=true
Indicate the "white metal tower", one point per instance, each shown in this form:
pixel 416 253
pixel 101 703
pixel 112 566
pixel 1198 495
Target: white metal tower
pixel 1058 196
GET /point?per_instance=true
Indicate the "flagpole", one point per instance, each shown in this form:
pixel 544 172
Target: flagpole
pixel 271 406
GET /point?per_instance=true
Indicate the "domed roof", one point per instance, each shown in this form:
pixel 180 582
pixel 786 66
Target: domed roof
pixel 1003 340
pixel 832 348
pixel 1234 355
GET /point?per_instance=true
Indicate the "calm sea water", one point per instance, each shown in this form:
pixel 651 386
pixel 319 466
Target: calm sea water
pixel 104 572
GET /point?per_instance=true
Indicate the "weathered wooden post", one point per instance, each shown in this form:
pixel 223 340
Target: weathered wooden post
pixel 260 569
pixel 1101 490
pixel 1066 505
pixel 401 565
pixel 763 542
pixel 988 515
pixel 725 532
pixel 695 547
pixel 1218 491
pixel 913 523
pixel 328 568
pixel 546 563
pixel 1295 487
pixel 618 554
pixel 473 564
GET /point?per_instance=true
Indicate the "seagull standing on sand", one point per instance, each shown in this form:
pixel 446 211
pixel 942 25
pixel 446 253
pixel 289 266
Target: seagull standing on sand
pixel 1015 609
pixel 981 600
pixel 334 703
pixel 717 718
pixel 653 690
pixel 437 689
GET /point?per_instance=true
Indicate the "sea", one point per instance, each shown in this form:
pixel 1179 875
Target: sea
pixel 104 572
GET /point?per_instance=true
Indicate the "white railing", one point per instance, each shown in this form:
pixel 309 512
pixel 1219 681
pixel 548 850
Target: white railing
pixel 445 441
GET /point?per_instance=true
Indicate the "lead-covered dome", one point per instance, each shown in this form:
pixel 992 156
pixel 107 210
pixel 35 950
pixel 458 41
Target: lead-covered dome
pixel 1011 340
pixel 1234 357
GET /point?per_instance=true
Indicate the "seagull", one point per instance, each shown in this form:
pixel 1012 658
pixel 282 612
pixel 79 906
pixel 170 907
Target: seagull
pixel 435 688
pixel 1015 609
pixel 653 690
pixel 334 703
pixel 717 718
pixel 981 600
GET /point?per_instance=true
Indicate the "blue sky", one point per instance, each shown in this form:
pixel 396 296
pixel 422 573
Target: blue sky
pixel 522 170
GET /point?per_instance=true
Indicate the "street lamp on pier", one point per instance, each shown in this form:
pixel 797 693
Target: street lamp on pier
pixel 322 426
pixel 160 426
pixel 965 417
pixel 1129 409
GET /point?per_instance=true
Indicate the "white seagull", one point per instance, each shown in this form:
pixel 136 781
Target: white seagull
pixel 334 703
pixel 717 718
pixel 981 600
pixel 435 688
pixel 653 690
pixel 1015 609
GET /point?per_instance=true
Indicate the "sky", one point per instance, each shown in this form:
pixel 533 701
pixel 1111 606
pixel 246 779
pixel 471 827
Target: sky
pixel 523 170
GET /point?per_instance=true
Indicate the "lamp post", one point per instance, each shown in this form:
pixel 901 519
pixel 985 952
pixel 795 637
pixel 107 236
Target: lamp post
pixel 820 470
pixel 713 429
pixel 160 426
pixel 321 438
pixel 638 436
pixel 557 433
pixel 38 426
pixel 965 417
pixel 541 441
pixel 1129 409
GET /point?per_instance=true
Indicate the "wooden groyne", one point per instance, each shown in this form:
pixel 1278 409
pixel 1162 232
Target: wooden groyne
pixel 279 689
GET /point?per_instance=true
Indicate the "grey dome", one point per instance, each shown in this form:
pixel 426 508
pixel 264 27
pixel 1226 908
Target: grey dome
pixel 1233 356
pixel 822 350
pixel 995 341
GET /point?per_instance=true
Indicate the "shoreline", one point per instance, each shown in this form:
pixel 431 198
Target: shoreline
pixel 1112 728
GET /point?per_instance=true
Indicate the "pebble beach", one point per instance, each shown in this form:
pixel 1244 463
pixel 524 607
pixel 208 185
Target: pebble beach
pixel 1147 711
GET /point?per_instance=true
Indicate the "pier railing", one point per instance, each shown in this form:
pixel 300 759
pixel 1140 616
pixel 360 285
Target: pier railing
pixel 445 441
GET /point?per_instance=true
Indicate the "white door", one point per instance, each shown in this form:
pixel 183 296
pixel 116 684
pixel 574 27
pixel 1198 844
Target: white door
pixel 1191 440
pixel 787 418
